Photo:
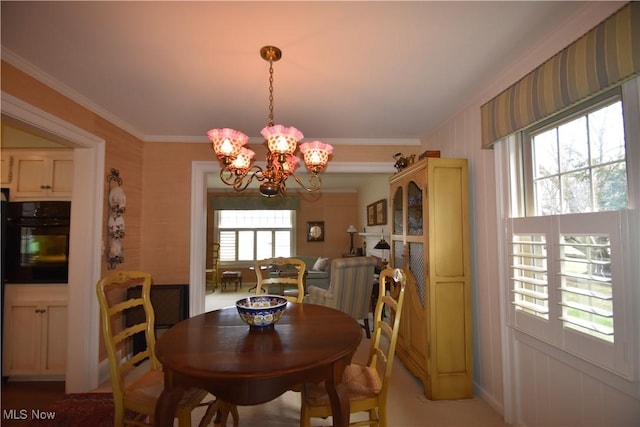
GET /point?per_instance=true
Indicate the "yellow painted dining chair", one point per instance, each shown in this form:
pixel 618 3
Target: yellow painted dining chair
pixel 135 398
pixel 286 273
pixel 366 386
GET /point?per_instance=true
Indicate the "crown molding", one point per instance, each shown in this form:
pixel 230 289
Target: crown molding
pixel 257 140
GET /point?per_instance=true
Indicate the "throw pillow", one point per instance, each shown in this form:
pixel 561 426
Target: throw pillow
pixel 321 264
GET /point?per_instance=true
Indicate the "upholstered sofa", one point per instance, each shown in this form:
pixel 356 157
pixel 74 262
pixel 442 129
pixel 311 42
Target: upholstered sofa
pixel 318 278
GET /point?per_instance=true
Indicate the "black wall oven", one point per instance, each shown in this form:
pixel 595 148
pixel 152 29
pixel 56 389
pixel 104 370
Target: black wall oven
pixel 37 248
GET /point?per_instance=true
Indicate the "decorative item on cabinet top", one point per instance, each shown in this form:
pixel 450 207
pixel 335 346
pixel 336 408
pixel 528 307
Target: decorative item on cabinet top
pixel 402 161
pixel 115 222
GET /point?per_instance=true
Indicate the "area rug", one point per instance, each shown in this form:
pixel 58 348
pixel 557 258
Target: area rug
pixel 76 410
pixel 96 410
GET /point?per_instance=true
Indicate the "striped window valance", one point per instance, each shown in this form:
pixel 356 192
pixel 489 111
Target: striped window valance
pixel 603 57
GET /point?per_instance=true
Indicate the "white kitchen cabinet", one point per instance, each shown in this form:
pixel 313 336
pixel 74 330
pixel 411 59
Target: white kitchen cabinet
pixel 38 174
pixel 6 169
pixel 35 331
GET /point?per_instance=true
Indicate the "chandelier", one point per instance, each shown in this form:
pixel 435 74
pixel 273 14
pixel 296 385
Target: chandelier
pixel 282 142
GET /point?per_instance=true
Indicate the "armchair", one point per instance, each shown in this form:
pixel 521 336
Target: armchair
pixel 350 286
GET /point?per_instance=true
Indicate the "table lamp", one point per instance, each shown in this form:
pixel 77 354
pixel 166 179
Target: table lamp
pixel 351 230
pixel 382 244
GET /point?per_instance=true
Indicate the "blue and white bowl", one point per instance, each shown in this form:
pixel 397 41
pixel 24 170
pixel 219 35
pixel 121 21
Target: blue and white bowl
pixel 260 311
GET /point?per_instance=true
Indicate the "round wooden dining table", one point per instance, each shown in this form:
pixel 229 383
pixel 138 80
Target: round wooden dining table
pixel 218 352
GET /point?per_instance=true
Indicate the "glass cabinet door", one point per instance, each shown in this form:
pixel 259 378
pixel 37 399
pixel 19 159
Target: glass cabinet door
pixel 414 209
pixel 397 211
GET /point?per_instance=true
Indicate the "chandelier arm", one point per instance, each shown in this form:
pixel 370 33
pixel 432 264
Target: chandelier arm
pixel 237 179
pixel 283 187
pixel 228 176
pixel 240 184
pixel 315 182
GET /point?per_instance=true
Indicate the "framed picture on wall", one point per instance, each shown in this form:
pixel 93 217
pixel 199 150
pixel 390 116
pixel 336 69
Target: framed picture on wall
pixel 315 231
pixel 371 214
pixel 377 213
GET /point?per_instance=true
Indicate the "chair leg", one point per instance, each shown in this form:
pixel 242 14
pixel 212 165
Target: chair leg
pixel 184 418
pixel 382 415
pixel 209 414
pixel 366 327
pixel 234 415
pixel 223 414
pixel 305 418
pixel 118 416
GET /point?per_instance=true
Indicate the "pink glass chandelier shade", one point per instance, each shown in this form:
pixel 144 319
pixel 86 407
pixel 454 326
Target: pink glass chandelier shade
pixel 282 139
pixel 316 154
pixel 291 164
pixel 227 142
pixel 243 161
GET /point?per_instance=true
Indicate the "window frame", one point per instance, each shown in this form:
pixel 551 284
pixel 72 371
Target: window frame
pixel 606 98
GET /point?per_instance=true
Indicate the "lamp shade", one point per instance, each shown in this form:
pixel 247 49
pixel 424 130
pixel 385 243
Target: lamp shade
pixel 351 229
pixel 382 244
pixel 282 139
pixel 227 142
pixel 243 161
pixel 316 155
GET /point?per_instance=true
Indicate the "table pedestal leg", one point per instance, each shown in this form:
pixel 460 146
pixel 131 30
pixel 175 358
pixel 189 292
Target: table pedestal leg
pixel 340 406
pixel 166 406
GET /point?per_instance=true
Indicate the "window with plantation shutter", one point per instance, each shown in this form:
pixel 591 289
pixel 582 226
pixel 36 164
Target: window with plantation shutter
pixel 250 235
pixel 571 231
pixel 568 283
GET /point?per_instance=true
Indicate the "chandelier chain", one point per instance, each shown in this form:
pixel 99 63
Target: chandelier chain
pixel 270 92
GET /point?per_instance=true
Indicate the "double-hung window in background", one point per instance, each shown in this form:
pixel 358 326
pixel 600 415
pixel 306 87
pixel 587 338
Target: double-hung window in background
pixel 249 235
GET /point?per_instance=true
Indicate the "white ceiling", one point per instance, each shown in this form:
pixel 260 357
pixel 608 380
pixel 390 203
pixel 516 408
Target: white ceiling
pixel 170 71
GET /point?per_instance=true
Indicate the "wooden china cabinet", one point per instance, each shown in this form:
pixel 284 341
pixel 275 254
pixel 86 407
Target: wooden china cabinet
pixel 430 241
